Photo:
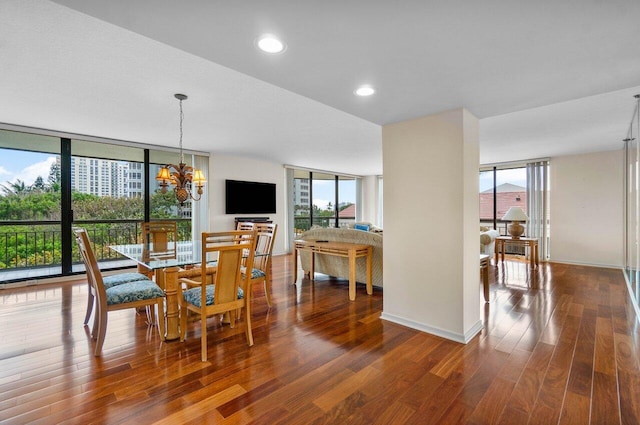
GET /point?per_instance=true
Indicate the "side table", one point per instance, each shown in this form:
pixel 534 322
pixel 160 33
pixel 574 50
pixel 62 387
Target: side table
pixel 532 243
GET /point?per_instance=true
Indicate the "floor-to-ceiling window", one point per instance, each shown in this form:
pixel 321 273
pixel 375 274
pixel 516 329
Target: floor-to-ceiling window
pixel 30 215
pixel 322 199
pixel 525 185
pixel 323 203
pixel 107 196
pixel 50 184
pixel 346 201
pixel 501 189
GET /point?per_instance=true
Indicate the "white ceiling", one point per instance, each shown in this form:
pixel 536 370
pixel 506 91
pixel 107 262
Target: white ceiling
pixel 546 78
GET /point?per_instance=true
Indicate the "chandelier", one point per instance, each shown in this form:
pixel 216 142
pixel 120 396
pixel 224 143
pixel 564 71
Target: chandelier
pixel 182 176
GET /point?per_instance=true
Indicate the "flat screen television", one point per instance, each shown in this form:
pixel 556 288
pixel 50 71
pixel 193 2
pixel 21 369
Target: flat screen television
pixel 250 197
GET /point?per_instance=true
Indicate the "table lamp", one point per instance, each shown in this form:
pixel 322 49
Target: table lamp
pixel 515 215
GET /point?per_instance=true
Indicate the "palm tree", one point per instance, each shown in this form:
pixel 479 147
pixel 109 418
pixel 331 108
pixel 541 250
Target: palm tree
pixel 38 185
pixel 15 188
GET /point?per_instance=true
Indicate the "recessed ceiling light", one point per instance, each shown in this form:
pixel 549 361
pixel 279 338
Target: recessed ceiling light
pixel 365 91
pixel 270 44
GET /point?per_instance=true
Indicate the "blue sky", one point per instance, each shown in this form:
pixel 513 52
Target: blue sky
pixel 324 192
pixel 26 166
pixel 516 176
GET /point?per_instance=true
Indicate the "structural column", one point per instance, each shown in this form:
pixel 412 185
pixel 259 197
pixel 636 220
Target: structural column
pixel 431 233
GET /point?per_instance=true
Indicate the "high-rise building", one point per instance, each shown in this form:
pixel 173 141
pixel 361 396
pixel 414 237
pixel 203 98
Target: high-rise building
pixel 301 192
pixel 101 177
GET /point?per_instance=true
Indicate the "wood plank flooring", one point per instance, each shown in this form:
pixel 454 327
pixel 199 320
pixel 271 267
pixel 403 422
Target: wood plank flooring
pixel 560 346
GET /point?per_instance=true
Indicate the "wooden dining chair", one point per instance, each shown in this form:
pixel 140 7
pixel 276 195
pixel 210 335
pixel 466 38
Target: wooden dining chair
pixel 245 225
pixel 132 294
pixel 158 241
pixel 230 290
pixel 109 281
pixel 265 239
pixel 261 271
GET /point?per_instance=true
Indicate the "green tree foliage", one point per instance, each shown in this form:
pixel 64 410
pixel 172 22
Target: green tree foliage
pixel 54 174
pixel 38 185
pixel 163 205
pixel 93 207
pixel 30 206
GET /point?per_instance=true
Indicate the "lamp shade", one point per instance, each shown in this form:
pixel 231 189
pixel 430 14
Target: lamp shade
pixel 163 174
pixel 515 214
pixel 198 177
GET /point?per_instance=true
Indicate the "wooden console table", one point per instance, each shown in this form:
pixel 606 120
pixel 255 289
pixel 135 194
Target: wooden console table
pixel 339 249
pixel 532 243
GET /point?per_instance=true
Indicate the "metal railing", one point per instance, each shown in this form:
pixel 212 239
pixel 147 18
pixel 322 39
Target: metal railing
pixel 34 244
pixel 303 223
pixel 501 226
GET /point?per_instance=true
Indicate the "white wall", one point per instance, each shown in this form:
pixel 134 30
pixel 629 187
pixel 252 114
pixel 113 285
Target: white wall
pixel 586 209
pixel 223 167
pixel 431 262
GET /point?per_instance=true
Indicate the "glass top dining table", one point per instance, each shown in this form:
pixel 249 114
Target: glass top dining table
pixel 167 264
pixel 176 254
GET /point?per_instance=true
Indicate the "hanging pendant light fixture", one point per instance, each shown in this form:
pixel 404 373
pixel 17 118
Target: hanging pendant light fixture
pixel 182 176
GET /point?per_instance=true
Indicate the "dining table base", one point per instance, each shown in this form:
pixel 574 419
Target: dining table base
pixel 167 280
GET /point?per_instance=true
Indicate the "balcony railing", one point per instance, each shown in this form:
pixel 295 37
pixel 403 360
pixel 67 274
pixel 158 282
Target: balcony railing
pixel 303 223
pixel 501 226
pixel 25 246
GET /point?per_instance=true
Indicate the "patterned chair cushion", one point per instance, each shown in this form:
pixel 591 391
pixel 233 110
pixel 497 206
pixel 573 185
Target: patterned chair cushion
pixel 119 279
pixel 133 291
pixel 192 296
pixel 255 273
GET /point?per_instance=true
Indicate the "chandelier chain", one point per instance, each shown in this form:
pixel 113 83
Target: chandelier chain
pixel 181 119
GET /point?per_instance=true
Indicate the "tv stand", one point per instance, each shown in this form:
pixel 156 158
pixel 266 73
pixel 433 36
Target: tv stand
pixel 252 220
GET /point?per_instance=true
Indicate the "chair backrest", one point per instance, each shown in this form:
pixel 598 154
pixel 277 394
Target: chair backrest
pixel 94 276
pixel 245 225
pixel 158 239
pixel 232 250
pixel 266 236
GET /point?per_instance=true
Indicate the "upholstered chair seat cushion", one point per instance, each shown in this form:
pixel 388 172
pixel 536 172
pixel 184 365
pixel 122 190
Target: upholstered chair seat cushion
pixel 119 279
pixel 192 296
pixel 133 291
pixel 255 273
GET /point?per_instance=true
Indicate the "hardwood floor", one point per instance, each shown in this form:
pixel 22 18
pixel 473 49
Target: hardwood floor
pixel 560 345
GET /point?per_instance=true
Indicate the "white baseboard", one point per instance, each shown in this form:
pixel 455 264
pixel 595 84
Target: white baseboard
pixel 577 263
pixel 434 330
